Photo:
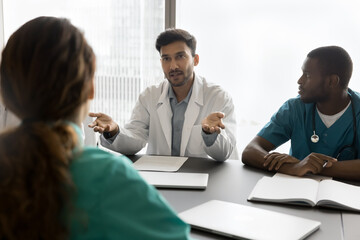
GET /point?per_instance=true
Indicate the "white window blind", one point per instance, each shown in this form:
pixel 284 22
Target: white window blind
pixel 122 34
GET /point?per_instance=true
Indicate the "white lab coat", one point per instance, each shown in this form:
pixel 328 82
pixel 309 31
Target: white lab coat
pixel 151 123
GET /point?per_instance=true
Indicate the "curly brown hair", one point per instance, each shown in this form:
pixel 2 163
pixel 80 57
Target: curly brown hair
pixel 46 75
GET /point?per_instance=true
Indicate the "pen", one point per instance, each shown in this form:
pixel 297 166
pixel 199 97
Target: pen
pixel 325 163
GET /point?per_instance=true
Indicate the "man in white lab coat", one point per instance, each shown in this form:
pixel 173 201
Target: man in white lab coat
pixel 182 116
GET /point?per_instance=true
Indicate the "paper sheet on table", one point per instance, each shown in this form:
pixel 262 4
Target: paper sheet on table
pixel 311 176
pixel 159 163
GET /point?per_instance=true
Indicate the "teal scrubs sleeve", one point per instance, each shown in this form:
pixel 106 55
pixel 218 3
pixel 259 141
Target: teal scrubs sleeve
pixel 113 202
pixel 279 129
pixel 294 121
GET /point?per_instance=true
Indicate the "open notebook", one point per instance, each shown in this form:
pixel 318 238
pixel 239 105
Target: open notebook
pixel 244 222
pixel 176 180
pixel 308 192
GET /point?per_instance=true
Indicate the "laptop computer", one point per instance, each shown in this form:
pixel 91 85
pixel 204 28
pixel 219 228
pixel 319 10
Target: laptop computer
pixel 245 222
pixel 176 180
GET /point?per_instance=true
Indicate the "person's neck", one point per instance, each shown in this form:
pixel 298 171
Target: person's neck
pixel 75 120
pixel 182 91
pixel 80 114
pixel 334 104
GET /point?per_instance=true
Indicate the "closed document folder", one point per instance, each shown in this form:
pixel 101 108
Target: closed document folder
pixel 244 222
pixel 176 180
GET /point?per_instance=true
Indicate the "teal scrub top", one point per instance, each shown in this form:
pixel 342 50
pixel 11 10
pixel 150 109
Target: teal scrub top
pixel 112 201
pixel 293 121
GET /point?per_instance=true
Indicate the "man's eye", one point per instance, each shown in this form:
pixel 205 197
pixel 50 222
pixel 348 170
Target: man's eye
pixel 307 75
pixel 165 59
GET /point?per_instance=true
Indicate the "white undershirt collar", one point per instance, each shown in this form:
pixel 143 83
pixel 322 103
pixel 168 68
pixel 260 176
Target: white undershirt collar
pixel 329 120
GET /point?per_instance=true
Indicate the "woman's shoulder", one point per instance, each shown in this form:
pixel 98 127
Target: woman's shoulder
pixel 93 155
pixel 112 193
pixel 91 162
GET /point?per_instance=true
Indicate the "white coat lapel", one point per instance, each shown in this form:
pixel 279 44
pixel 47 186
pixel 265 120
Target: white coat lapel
pixel 164 113
pixel 192 113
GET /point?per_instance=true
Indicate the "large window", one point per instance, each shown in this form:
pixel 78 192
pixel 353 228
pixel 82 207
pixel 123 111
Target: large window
pixel 255 49
pixel 122 34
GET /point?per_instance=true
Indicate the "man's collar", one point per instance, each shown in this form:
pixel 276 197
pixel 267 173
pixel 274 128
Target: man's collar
pixel 171 94
pixel 197 91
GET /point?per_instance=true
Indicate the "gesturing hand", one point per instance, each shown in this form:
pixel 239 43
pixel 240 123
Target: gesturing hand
pixel 213 122
pixel 103 123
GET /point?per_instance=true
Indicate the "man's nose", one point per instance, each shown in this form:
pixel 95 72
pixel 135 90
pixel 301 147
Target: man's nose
pixel 173 65
pixel 300 80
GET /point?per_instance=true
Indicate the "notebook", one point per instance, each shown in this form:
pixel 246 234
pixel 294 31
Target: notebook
pixel 245 222
pixel 176 180
pixel 308 192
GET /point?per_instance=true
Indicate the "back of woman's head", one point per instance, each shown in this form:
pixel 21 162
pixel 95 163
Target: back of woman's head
pixel 46 76
pixel 45 71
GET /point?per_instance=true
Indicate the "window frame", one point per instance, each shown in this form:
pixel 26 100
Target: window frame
pixel 170 14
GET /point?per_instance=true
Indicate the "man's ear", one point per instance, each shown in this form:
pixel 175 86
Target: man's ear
pixel 334 80
pixel 196 60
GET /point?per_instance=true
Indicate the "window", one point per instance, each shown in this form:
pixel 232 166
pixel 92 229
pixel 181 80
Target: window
pixel 255 49
pixel 122 34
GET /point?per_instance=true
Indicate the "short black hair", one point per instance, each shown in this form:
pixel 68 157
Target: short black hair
pixel 173 35
pixel 334 60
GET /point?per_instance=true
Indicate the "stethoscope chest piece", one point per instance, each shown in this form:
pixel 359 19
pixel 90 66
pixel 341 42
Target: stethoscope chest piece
pixel 314 138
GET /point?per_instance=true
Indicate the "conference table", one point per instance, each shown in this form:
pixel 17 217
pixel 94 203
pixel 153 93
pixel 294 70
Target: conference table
pixel 232 181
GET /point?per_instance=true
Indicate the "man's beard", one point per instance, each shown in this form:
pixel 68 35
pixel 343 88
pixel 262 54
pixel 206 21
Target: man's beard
pixel 178 84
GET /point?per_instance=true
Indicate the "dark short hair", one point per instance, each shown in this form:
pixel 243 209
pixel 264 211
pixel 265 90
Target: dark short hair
pixel 334 60
pixel 173 35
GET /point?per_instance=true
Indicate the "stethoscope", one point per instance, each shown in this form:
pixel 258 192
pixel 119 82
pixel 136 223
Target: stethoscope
pixel 315 138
